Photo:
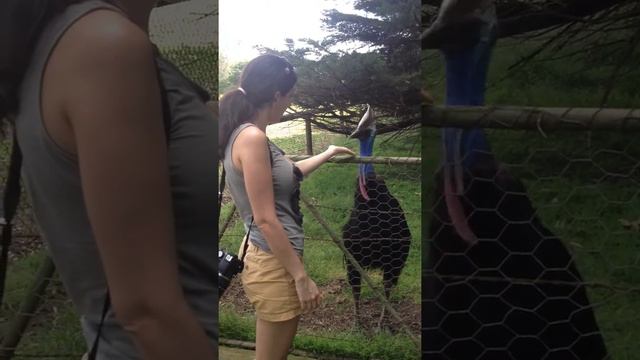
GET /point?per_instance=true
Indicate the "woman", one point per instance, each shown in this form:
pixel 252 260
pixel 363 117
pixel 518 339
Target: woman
pixel 117 201
pixel 265 187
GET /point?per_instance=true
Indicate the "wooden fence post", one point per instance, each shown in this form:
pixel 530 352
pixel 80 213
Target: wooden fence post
pixel 307 129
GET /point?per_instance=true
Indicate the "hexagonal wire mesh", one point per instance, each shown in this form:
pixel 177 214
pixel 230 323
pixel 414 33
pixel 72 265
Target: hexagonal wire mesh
pixel 553 273
pixel 380 231
pixel 186 33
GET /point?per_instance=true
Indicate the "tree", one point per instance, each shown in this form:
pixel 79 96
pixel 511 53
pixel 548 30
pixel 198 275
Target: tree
pixel 370 57
pixel 229 74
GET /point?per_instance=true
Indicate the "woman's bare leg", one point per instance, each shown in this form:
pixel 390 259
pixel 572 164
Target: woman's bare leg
pixel 273 339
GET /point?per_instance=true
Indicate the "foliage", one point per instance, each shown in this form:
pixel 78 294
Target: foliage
pixel 370 57
pixel 229 74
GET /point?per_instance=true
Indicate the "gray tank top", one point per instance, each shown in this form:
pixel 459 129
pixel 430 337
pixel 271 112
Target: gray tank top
pixel 52 180
pixel 286 190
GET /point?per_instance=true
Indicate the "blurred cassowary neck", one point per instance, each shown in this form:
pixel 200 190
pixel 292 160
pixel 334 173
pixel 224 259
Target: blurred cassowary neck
pixel 366 149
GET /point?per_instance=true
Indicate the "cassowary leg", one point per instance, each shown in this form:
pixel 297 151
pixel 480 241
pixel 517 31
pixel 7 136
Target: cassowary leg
pixel 354 280
pixel 389 281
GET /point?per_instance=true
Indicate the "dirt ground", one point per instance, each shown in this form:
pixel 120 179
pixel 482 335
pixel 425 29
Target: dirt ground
pixel 336 313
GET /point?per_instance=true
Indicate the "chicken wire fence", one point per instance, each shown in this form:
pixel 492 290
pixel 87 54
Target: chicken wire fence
pixel 37 319
pixel 363 253
pixel 554 271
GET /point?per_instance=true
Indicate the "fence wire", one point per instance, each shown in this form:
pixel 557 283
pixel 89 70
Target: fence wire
pixel 44 319
pixel 378 221
pixel 554 272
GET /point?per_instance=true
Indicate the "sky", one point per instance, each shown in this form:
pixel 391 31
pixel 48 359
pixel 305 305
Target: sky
pixel 246 23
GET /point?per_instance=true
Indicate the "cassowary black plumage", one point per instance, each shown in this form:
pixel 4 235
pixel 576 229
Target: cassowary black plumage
pixel 515 293
pixel 497 284
pixel 377 233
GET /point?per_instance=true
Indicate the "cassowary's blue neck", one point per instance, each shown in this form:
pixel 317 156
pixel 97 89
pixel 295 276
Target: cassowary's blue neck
pixel 466 77
pixel 366 149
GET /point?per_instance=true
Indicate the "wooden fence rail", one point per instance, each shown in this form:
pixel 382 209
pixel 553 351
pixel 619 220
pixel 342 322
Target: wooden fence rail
pixel 532 118
pixel 387 160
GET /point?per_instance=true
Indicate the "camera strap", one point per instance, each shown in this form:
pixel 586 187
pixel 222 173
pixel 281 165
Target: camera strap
pixel 10 202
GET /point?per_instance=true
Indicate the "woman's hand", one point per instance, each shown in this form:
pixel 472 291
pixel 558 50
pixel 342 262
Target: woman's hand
pixel 308 293
pixel 307 166
pixel 338 150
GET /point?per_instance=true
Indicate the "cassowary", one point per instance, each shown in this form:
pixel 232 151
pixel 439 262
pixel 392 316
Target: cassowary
pixel 497 283
pixel 377 234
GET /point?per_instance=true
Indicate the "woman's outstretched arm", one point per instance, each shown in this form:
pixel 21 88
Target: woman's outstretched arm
pixel 307 166
pixel 111 99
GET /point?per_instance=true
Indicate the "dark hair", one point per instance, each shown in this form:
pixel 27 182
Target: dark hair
pixel 21 23
pixel 260 80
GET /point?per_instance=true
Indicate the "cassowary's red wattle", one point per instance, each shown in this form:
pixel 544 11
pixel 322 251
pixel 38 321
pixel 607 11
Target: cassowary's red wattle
pixel 466 76
pixel 365 133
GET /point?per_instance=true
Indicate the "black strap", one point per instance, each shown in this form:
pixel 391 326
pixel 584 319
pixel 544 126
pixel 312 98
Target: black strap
pixel 221 190
pixel 166 120
pixel 105 308
pixel 166 109
pixel 11 198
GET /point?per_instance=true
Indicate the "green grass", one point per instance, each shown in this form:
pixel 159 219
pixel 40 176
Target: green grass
pixel 55 331
pixel 351 345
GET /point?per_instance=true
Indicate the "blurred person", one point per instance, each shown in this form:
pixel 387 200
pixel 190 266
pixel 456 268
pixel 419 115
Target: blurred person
pixel 124 204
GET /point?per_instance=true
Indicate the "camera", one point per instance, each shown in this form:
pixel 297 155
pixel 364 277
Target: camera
pixel 229 265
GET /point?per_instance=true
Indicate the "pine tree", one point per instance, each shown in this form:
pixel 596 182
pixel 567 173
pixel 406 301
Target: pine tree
pixel 372 56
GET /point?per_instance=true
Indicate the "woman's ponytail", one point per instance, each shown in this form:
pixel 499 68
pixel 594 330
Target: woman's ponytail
pixel 234 109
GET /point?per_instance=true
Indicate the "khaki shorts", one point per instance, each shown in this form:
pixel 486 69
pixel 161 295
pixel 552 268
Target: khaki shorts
pixel 269 287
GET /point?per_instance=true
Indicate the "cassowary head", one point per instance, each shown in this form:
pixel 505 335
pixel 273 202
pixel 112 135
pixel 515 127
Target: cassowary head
pixel 365 132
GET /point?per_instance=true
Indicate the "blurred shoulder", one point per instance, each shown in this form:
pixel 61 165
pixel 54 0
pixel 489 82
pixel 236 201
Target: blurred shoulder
pixel 107 37
pixel 251 136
